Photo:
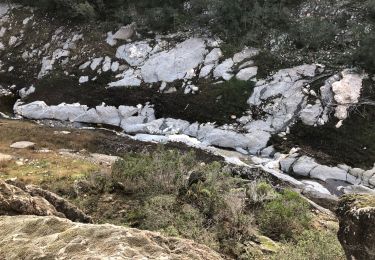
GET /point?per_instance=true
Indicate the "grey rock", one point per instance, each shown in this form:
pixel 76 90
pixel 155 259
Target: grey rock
pixel 134 54
pixel 286 164
pixel 268 151
pixel 206 70
pixel 247 73
pixel 310 114
pixel 323 173
pixel 224 70
pixel 304 166
pixel 357 189
pixel 125 32
pixel 177 63
pixel 22 145
pixel 130 78
pixel 213 57
pixel 246 53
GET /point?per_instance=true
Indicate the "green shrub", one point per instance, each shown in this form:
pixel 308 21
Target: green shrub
pixel 159 172
pixel 76 9
pixel 258 193
pixel 312 245
pixel 313 33
pixel 365 54
pixel 285 216
pixel 370 6
pixel 268 62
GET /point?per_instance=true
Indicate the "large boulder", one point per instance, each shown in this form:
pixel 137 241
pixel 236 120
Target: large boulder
pixel 15 201
pixel 33 237
pixel 19 199
pixel 356 214
pixel 177 63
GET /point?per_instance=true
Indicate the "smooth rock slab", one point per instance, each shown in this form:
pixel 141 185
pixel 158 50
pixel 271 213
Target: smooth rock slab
pixel 304 166
pixel 247 73
pixel 22 145
pixel 324 173
pixel 177 63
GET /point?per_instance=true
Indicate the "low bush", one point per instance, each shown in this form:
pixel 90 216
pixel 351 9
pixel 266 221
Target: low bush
pixel 159 172
pixel 260 193
pixel 313 33
pixel 285 216
pixel 370 6
pixel 365 54
pixel 312 245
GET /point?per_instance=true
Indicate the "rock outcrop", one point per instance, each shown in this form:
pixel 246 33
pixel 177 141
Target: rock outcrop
pixel 18 199
pixel 34 237
pixel 356 214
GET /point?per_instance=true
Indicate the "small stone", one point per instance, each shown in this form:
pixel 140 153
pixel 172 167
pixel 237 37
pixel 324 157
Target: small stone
pixel 125 32
pixel 22 145
pixel 83 79
pixel 5 157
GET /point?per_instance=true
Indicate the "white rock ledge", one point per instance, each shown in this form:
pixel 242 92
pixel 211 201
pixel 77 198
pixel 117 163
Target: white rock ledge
pixel 141 120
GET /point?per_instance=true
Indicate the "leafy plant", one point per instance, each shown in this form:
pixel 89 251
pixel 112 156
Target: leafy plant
pixel 312 245
pixel 313 33
pixel 285 216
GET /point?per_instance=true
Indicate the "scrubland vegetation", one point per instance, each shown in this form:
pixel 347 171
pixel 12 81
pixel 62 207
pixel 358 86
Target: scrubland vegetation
pixel 171 192
pixel 240 22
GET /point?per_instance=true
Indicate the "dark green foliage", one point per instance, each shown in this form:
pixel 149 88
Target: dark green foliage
pixel 312 245
pixel 268 62
pixel 370 6
pixel 365 54
pixel 314 33
pixel 240 21
pixel 286 216
pixel 159 172
pixel 76 9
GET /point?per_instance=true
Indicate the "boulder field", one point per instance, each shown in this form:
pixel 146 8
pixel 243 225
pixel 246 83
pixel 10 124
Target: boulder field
pixel 72 74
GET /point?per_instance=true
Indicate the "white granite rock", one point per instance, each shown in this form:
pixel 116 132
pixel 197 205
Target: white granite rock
pixel 206 70
pixel 311 113
pixel 247 73
pixel 125 32
pixel 22 145
pixel 213 57
pixel 224 70
pixel 24 92
pixel 177 63
pixel 107 64
pixel 83 79
pixel 134 54
pixel 347 92
pixel 246 53
pixel 131 78
pixel 96 62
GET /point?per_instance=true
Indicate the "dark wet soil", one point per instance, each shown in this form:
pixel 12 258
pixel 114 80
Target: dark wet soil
pixel 213 103
pixel 6 104
pixel 352 144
